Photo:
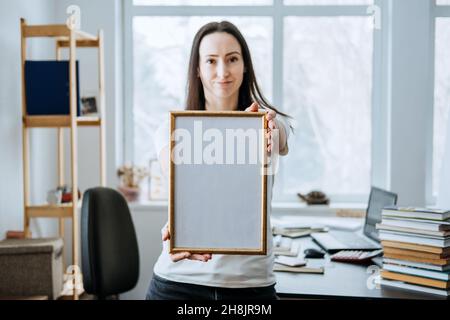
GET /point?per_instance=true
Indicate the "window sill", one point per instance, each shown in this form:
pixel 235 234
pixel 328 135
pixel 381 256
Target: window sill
pixel 284 208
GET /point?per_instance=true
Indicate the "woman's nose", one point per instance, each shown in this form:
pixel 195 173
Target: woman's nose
pixel 222 70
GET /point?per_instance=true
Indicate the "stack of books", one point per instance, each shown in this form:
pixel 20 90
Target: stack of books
pixel 416 244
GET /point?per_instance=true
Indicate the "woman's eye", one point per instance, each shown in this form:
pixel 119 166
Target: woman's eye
pixel 210 61
pixel 234 59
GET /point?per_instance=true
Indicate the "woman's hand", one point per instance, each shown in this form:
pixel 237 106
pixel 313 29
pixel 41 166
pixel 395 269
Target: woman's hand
pixel 185 255
pixel 271 123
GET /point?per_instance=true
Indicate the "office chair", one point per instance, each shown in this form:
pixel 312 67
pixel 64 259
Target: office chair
pixel 110 255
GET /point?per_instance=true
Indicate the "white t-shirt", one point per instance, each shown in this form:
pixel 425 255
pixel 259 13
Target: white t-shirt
pixel 231 271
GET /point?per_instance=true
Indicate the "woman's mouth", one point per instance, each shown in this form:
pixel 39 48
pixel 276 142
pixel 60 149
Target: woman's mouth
pixel 224 83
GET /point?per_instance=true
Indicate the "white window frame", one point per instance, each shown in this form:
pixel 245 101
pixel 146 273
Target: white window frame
pixel 380 172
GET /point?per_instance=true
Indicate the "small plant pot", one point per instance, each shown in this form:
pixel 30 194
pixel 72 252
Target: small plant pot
pixel 131 194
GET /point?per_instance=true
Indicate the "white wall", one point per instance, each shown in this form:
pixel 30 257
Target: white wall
pixel 41 143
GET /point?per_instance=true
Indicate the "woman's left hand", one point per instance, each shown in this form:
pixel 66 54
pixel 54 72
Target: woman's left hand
pixel 271 123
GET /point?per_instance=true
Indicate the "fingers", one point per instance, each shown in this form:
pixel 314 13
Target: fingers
pixel 166 235
pixel 191 256
pixel 272 124
pixel 253 108
pixel 200 257
pixel 179 256
pixel 270 115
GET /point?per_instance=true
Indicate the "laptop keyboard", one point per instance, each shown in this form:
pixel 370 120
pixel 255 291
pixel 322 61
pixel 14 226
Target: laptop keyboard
pixel 351 239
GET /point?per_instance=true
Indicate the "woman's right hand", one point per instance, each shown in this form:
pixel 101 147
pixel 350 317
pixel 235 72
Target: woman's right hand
pixel 205 257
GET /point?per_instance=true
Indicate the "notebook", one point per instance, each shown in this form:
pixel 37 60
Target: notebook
pixel 47 87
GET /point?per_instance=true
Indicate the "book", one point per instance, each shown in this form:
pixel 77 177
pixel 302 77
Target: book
pixel 417 247
pixel 15 234
pixel 291 261
pixel 413 287
pixel 47 87
pixel 295 232
pixel 426 266
pixel 415 279
pixel 410 234
pixel 438 275
pixel 417 223
pixel 419 254
pixel 419 213
pixel 416 239
pixel 381 226
pixel 306 269
pixel 439 262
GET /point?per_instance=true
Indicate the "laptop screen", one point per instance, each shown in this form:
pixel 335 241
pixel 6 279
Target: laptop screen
pixel 378 199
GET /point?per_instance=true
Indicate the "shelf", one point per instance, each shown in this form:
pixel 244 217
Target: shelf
pixel 58 121
pixel 63 42
pixel 54 30
pixel 50 211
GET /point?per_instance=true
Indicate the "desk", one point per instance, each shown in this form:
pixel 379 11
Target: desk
pixel 340 281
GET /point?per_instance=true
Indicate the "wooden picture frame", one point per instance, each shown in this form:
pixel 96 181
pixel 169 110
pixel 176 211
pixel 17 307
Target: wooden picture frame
pixel 218 207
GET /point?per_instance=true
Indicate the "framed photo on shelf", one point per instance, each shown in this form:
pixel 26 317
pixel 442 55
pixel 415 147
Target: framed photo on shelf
pixel 89 106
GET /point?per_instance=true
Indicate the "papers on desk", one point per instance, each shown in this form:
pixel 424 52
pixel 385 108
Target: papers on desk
pixel 306 269
pixel 292 222
pixel 285 264
pixel 290 258
pixel 297 261
pixel 296 232
pixel 285 246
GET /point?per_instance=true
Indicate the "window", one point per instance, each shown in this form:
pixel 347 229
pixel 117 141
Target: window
pixel 330 59
pixel 313 60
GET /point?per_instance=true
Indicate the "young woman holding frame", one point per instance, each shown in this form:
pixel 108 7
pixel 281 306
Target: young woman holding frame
pixel 221 77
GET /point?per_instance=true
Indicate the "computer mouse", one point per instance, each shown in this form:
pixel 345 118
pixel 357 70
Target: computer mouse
pixel 314 253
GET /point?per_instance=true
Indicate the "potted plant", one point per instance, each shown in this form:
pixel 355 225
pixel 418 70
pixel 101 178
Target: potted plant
pixel 130 179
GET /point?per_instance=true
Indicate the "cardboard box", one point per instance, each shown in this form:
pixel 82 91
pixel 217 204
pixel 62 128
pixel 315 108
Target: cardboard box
pixel 31 267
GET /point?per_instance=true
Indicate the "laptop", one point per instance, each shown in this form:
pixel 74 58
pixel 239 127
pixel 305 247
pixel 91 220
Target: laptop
pixel 367 239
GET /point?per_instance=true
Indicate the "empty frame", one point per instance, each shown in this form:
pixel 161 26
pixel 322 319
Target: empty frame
pixel 217 197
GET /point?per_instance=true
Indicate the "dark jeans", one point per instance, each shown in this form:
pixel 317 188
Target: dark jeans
pixel 162 289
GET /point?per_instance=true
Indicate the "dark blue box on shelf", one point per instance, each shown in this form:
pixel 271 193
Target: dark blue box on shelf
pixel 47 87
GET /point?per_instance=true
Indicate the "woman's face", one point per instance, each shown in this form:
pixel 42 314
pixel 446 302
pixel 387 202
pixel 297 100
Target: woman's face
pixel 221 65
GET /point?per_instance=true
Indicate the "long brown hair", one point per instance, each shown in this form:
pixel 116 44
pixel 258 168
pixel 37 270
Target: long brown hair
pixel 249 91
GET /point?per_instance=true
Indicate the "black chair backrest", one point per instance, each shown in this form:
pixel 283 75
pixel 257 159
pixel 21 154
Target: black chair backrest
pixel 110 254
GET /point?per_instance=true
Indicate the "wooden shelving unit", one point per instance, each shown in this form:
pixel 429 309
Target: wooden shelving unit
pixel 71 39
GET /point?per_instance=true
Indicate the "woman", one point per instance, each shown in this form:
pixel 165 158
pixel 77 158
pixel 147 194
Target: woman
pixel 221 77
